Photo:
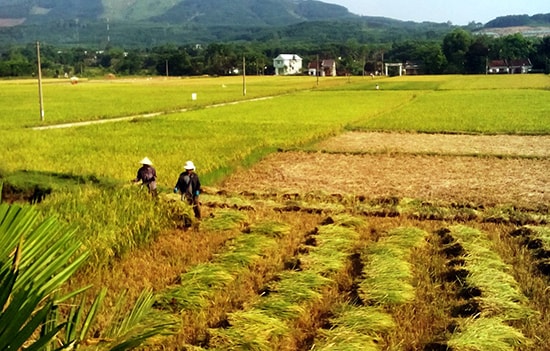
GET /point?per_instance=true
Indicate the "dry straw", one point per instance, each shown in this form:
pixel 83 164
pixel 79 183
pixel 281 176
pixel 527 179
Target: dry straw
pixel 224 220
pixel 487 334
pixel 355 328
pixel 293 293
pixel 251 330
pixel 501 294
pixel 387 270
pixel 204 280
pixel 196 287
pixel 364 319
pixel 333 247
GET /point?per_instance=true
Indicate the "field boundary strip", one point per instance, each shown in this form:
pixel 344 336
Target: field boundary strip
pixel 146 115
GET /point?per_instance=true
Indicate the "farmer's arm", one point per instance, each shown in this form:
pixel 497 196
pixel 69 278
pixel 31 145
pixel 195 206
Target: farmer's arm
pixel 138 176
pixel 178 185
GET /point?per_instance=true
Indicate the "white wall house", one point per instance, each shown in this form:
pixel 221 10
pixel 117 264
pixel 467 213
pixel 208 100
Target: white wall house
pixel 286 64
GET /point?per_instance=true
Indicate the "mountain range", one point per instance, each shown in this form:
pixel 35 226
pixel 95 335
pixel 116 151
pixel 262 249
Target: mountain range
pixel 146 23
pixel 200 12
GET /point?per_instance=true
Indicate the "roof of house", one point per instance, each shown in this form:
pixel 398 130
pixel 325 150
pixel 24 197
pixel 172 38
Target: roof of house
pixel 498 63
pixel 288 57
pixel 510 63
pixel 323 64
pixel 520 63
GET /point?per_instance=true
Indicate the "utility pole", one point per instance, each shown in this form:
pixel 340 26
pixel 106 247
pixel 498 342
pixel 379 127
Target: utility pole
pixel 244 76
pixel 317 73
pixel 40 97
pixel 108 34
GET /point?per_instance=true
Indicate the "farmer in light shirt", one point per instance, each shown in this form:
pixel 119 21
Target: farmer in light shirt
pixel 189 186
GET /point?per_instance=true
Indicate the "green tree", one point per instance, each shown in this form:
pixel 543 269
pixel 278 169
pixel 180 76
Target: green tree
pixel 131 63
pixel 543 55
pixel 477 56
pixel 426 53
pixel 221 59
pixel 455 47
pixel 403 51
pixel 516 46
pixel 15 64
pixel 432 58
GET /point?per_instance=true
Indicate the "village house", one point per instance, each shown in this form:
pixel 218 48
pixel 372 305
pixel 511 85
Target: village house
pixel 413 68
pixel 520 66
pixel 497 67
pixel 327 68
pixel 509 66
pixel 287 64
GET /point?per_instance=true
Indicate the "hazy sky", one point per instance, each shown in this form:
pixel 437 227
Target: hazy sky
pixel 458 12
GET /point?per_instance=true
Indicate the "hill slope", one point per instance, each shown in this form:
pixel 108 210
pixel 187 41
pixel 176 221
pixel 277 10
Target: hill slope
pixel 148 23
pixel 203 12
pixel 519 21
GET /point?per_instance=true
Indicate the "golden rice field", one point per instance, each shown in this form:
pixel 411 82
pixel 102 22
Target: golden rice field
pixel 335 216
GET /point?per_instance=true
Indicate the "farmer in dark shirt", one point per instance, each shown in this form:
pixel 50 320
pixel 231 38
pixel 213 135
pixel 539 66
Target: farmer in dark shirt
pixel 189 186
pixel 147 175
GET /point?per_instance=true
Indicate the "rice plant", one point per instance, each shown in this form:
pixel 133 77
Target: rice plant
pixel 487 334
pixel 501 294
pixel 388 273
pixel 250 330
pixel 224 220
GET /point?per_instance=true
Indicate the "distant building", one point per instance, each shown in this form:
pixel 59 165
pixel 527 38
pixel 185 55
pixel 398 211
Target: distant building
pixel 498 67
pixel 327 68
pixel 413 68
pixel 287 64
pixel 509 66
pixel 520 66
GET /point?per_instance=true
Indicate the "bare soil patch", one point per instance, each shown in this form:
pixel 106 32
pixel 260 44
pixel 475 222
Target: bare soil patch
pixel 11 22
pixel 480 180
pixel 501 145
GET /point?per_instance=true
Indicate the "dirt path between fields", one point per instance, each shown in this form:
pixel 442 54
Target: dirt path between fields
pixel 430 167
pixel 147 115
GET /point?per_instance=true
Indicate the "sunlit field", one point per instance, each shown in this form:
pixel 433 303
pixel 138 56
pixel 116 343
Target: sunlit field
pixel 108 98
pixel 336 216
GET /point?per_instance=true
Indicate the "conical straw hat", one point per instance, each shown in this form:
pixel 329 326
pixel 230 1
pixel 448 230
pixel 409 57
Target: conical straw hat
pixel 146 161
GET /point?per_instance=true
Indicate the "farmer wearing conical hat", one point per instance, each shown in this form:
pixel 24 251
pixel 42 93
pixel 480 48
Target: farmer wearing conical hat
pixel 189 186
pixel 147 175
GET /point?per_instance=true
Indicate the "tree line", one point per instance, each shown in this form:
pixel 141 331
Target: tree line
pixel 459 52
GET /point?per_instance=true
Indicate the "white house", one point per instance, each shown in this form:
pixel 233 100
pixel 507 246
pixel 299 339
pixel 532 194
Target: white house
pixel 286 64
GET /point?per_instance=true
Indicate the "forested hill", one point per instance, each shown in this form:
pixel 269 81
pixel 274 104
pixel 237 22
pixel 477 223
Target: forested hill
pixel 202 12
pixel 149 23
pixel 519 20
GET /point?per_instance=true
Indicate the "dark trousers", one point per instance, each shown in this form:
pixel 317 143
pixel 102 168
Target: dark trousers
pixel 194 202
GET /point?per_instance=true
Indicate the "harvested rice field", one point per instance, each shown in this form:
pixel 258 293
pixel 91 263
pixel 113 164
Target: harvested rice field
pixel 484 170
pixel 366 243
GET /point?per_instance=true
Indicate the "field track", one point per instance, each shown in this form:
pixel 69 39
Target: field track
pixel 129 118
pixel 486 170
